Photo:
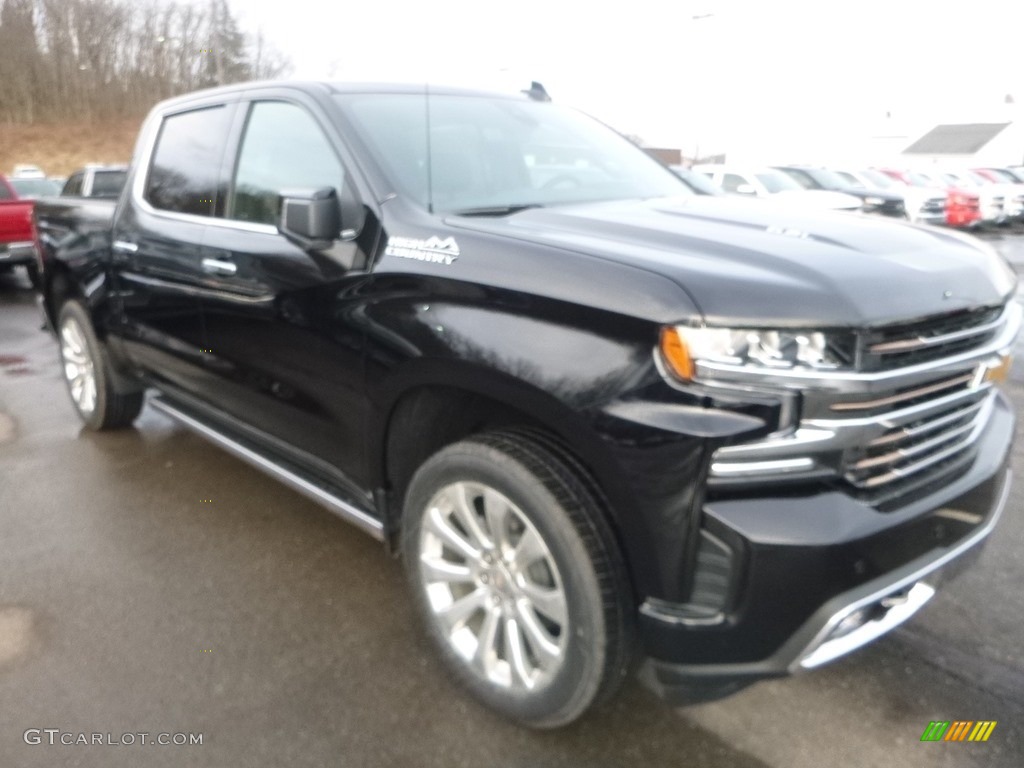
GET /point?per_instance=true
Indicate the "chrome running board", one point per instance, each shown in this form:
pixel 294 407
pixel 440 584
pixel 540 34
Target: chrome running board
pixel 295 481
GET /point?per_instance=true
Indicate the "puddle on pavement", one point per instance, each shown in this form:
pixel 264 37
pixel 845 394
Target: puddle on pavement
pixel 16 633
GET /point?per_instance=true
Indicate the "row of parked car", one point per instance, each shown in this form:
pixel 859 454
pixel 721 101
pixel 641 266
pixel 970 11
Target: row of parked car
pixel 28 183
pixel 955 197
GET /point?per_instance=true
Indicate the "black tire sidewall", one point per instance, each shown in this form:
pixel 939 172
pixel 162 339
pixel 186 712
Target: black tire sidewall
pixel 576 683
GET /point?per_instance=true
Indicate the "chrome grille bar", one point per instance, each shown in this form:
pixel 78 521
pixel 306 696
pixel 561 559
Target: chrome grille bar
pixel 957 437
pixel 919 342
pixel 930 426
pixel 905 396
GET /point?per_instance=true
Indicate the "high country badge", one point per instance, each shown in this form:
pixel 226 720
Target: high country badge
pixel 433 249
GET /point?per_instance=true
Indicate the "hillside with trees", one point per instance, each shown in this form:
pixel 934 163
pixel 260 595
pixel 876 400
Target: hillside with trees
pixel 98 62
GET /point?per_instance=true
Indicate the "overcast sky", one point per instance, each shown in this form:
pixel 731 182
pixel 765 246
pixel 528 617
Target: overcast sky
pixel 683 72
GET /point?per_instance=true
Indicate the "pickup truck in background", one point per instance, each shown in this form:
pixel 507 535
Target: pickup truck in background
pixel 16 236
pixel 609 424
pixel 103 181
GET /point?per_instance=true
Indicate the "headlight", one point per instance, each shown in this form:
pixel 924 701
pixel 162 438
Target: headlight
pixel 684 348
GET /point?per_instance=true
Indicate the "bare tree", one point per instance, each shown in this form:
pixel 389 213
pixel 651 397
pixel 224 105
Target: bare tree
pixel 96 59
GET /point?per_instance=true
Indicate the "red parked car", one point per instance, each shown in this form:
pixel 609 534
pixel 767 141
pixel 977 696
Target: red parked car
pixel 16 234
pixel 963 207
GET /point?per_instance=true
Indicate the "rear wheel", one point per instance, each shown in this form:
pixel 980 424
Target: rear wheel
pixel 518 577
pixel 87 373
pixel 33 275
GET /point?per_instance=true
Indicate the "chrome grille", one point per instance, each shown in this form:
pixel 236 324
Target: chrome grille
pixel 914 449
pixel 890 436
pixel 934 338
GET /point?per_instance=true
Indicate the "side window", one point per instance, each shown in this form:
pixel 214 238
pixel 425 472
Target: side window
pixel 283 149
pixel 801 177
pixel 731 182
pixel 108 183
pixel 5 193
pixel 186 161
pixel 73 186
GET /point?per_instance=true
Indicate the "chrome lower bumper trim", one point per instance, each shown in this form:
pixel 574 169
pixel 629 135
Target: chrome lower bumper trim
pixel 822 650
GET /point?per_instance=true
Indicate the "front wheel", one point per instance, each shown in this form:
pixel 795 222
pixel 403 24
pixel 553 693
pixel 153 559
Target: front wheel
pixel 87 373
pixel 518 576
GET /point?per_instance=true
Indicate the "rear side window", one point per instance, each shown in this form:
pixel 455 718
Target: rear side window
pixel 283 149
pixel 73 186
pixel 107 183
pixel 732 182
pixel 186 161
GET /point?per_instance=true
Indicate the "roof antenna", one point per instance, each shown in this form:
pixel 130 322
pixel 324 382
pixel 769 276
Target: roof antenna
pixel 537 92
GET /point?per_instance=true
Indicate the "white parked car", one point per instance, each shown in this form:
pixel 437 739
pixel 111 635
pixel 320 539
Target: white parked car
pixel 1014 202
pixel 24 171
pixel 924 205
pixel 777 186
pixel 991 197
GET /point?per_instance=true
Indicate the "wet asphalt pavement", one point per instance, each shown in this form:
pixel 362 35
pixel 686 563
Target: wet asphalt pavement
pixel 150 583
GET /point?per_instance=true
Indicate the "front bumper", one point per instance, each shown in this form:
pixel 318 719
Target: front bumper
pixel 819 575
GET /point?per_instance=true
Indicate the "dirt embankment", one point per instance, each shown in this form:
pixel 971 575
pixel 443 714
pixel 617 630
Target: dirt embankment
pixel 60 148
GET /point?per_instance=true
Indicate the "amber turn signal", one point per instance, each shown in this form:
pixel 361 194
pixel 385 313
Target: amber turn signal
pixel 676 354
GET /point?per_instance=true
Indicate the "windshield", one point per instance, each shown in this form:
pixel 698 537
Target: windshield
pixel 698 182
pixel 878 178
pixel 851 181
pixel 494 153
pixel 1004 176
pixel 828 179
pixel 920 180
pixel 777 181
pixel 32 188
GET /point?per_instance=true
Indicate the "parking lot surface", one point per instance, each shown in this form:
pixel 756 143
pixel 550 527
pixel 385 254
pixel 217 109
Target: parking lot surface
pixel 151 583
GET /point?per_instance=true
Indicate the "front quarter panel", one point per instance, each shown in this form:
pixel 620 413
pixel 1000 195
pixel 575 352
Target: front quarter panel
pixel 520 326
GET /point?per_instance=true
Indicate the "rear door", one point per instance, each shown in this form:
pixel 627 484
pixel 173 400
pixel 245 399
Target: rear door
pixel 158 243
pixel 285 350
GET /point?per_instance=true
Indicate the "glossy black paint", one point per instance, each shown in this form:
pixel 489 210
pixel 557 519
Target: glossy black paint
pixel 809 547
pixel 360 361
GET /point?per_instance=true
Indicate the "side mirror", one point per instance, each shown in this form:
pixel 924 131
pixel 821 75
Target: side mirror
pixel 746 189
pixel 310 218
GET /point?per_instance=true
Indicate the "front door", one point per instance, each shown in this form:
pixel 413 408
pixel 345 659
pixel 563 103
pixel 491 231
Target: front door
pixel 285 356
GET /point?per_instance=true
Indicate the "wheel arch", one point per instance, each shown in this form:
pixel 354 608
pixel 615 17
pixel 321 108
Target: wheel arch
pixel 441 409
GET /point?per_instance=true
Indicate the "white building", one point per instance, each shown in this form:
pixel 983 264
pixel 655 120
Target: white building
pixel 968 145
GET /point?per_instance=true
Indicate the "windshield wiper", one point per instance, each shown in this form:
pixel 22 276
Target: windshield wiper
pixel 495 210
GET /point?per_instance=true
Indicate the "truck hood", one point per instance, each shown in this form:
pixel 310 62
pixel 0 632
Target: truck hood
pixel 744 263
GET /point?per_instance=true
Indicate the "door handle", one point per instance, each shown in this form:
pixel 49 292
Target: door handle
pixel 218 266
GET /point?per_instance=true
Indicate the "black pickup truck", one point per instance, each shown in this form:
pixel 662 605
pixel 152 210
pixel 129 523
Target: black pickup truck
pixel 610 425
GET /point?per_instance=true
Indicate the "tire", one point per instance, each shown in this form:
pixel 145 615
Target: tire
pixel 87 373
pixel 536 621
pixel 33 275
